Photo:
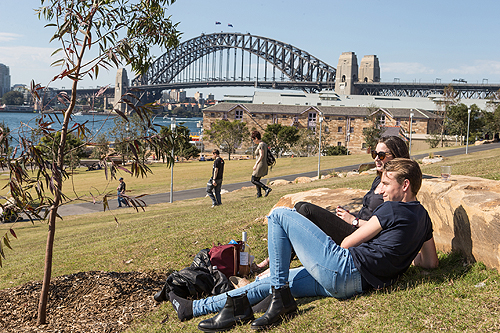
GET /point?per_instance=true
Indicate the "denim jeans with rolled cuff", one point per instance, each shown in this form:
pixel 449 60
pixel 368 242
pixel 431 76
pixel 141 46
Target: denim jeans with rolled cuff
pixel 328 269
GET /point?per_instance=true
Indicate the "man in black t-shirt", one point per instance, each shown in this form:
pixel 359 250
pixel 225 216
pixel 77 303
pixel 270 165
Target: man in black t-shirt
pixel 214 185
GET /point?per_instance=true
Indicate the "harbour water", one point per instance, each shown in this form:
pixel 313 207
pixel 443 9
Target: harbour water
pixel 104 123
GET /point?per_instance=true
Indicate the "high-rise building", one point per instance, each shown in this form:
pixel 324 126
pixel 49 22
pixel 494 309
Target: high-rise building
pixel 4 79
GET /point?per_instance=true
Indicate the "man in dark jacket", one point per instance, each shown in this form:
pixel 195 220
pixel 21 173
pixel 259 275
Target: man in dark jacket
pixel 214 185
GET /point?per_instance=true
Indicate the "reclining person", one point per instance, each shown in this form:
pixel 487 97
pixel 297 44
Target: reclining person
pixel 373 256
pixel 341 224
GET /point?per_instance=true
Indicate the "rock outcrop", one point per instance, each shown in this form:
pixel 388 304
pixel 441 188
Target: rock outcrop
pixel 465 213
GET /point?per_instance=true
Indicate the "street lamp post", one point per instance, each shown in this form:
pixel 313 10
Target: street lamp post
pixel 319 145
pixel 411 127
pixel 468 125
pixel 172 128
pixel 348 138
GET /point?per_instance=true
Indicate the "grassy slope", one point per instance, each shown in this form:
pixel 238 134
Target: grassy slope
pixel 166 236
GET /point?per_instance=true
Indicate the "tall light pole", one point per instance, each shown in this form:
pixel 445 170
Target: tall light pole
pixel 468 125
pixel 172 129
pixel 319 145
pixel 411 127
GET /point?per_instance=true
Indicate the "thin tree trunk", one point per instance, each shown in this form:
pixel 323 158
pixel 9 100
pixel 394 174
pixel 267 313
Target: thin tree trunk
pixel 57 175
pixel 42 305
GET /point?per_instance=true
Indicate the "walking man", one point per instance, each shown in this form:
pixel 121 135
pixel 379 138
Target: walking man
pixel 214 185
pixel 120 192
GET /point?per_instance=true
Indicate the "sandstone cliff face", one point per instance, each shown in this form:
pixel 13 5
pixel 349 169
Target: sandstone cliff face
pixel 465 213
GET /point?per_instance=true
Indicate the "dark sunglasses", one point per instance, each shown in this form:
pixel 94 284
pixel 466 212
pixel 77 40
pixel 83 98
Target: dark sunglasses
pixel 381 154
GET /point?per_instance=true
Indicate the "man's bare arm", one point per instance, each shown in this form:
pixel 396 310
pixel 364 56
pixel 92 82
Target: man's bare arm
pixel 427 257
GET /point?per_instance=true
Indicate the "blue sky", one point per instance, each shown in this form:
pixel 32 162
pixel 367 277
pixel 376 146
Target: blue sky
pixel 414 41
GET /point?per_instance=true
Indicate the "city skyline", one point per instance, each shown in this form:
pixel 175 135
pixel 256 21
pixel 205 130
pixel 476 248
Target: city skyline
pixel 423 42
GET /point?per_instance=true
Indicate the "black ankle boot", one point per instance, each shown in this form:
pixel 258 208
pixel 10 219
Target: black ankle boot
pixel 237 309
pixel 282 305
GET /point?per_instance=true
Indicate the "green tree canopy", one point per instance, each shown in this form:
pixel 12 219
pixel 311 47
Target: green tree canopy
pixel 182 147
pixel 73 149
pixel 13 98
pixel 491 120
pixel 280 138
pixel 307 144
pixel 457 119
pixel 228 135
pixel 4 139
pixel 372 134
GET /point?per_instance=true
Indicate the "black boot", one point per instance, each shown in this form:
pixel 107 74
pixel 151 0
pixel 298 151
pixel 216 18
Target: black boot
pixel 237 309
pixel 282 305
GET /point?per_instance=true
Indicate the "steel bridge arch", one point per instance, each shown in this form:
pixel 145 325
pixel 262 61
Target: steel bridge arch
pixel 303 69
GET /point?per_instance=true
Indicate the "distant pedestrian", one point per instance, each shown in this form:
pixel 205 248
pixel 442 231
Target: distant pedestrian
pixel 120 192
pixel 260 167
pixel 214 184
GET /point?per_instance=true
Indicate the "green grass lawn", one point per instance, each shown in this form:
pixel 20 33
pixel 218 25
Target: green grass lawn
pixel 455 297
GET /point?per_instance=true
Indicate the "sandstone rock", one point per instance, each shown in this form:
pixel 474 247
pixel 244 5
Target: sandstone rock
pixel 302 180
pixel 428 160
pixel 366 166
pixel 279 182
pixel 465 213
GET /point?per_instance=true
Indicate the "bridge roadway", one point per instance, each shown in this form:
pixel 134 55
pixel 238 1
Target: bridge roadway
pixel 84 208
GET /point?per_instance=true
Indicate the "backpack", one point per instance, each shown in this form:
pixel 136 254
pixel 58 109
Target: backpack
pixel 226 258
pixel 196 281
pixel 271 160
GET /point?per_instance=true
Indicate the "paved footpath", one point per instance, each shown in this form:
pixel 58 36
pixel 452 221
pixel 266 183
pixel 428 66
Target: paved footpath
pixel 84 208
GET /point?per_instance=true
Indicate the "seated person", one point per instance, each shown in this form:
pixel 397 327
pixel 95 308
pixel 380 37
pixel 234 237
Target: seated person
pixel 340 225
pixel 373 256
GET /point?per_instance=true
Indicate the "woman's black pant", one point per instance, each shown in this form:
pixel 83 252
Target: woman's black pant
pixel 329 222
pixel 256 181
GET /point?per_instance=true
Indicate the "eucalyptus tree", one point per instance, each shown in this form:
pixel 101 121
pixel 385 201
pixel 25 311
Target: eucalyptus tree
pixel 228 135
pixel 93 36
pixel 280 138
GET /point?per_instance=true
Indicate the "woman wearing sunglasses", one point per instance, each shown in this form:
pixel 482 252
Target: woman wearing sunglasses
pixel 343 223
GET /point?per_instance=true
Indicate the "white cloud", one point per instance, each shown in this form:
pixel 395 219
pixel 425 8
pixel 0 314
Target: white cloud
pixel 407 68
pixel 8 37
pixel 27 63
pixel 486 67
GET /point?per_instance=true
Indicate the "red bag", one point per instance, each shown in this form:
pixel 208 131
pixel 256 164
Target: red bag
pixel 226 258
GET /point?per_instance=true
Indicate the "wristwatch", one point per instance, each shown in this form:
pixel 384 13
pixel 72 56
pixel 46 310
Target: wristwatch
pixel 355 222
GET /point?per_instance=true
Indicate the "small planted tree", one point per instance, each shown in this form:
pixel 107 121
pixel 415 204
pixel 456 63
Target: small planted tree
pixel 182 147
pixel 372 134
pixel 93 35
pixel 280 138
pixel 227 135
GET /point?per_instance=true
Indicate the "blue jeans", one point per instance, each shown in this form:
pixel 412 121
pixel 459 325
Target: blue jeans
pixel 121 199
pixel 211 190
pixel 328 270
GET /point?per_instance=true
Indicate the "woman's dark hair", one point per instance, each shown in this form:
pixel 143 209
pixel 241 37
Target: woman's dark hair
pixel 256 134
pixel 396 145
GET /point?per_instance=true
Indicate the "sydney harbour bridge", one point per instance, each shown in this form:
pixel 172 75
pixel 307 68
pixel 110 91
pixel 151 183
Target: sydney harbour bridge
pixel 244 60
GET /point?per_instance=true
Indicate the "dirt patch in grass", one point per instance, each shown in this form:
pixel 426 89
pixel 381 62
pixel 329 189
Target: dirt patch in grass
pixel 82 302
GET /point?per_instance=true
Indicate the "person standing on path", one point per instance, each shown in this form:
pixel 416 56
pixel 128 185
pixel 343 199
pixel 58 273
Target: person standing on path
pixel 260 167
pixel 120 192
pixel 214 185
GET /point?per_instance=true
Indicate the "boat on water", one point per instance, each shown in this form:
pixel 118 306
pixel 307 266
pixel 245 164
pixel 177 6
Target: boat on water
pixel 79 113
